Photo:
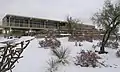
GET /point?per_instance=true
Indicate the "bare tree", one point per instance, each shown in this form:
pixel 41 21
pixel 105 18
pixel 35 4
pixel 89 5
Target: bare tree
pixel 72 24
pixel 109 19
pixel 10 55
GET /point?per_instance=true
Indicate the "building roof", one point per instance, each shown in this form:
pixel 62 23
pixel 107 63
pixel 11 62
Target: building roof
pixel 31 18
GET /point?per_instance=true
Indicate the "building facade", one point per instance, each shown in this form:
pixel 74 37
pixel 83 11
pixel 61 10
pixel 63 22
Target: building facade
pixel 22 24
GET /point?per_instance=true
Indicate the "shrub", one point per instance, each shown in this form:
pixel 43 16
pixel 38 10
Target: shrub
pixel 110 44
pixel 61 57
pixel 115 45
pixel 87 59
pixel 61 54
pixel 94 46
pixel 71 38
pixel 80 38
pixel 118 53
pixel 53 65
pixel 50 42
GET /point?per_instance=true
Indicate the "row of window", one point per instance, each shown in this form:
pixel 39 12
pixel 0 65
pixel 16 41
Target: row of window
pixel 31 25
pixel 30 21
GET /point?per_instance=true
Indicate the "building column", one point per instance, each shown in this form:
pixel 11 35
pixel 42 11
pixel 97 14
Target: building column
pixel 29 23
pixel 9 21
pixel 29 32
pixel 44 24
pixel 10 31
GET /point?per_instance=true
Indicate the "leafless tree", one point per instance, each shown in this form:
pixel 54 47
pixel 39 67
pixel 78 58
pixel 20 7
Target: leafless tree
pixel 109 19
pixel 72 24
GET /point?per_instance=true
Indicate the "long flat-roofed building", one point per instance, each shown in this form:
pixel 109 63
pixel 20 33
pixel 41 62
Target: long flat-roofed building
pixel 21 24
pixel 14 22
pixel 30 22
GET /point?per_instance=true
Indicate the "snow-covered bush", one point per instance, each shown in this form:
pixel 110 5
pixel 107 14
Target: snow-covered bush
pixel 50 42
pixel 75 38
pixel 62 55
pixel 71 38
pixel 118 53
pixel 80 38
pixel 115 45
pixel 89 39
pixel 53 65
pixel 87 59
pixel 110 44
pixel 94 46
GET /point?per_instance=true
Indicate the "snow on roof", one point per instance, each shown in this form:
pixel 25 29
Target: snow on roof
pixel 65 34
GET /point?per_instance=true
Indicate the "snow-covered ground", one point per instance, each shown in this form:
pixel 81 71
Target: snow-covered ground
pixel 35 58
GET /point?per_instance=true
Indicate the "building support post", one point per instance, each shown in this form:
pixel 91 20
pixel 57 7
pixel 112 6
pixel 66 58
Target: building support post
pixel 44 24
pixel 9 31
pixel 29 32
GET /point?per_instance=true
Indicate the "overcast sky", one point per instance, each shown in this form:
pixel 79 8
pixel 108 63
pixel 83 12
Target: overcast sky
pixel 51 9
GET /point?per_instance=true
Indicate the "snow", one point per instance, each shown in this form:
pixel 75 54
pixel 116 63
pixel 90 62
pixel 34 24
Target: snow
pixel 13 40
pixel 64 34
pixel 2 40
pixel 35 58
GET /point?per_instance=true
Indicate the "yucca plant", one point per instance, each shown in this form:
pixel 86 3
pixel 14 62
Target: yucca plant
pixel 62 54
pixel 53 65
pixel 118 53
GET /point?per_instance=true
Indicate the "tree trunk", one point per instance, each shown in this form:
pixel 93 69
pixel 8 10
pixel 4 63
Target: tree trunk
pixel 102 49
pixel 105 39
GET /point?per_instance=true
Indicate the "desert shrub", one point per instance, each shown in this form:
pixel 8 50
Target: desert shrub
pixel 94 46
pixel 50 42
pixel 110 44
pixel 115 45
pixel 87 59
pixel 55 43
pixel 89 39
pixel 79 38
pixel 62 55
pixel 52 65
pixel 71 38
pixel 118 53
